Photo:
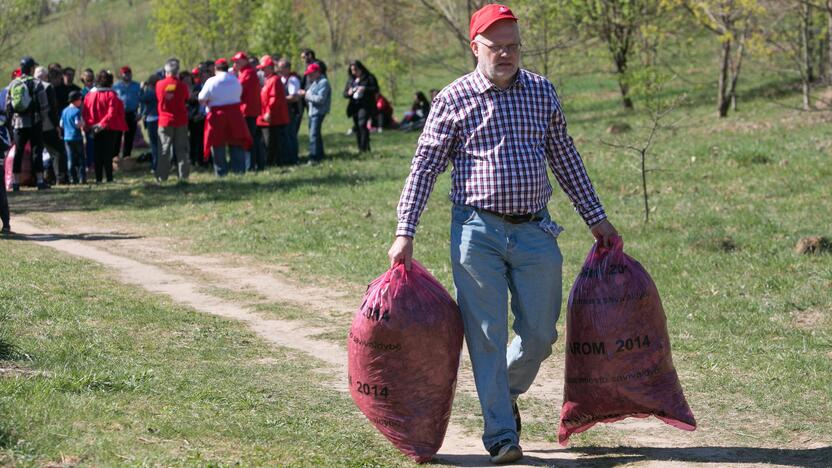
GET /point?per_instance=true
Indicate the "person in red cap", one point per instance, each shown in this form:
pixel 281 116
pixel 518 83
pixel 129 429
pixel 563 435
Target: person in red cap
pixel 172 95
pixel 250 106
pixel 129 92
pixel 224 124
pixel 501 126
pixel 274 113
pixel 318 96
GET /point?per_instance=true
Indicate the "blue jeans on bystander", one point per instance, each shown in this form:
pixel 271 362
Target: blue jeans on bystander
pixel 316 142
pixel 238 160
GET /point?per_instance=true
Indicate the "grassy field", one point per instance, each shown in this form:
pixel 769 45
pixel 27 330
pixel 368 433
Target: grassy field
pixel 750 319
pixel 90 379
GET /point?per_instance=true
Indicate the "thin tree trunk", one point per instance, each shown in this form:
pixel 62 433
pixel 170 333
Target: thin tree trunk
pixel 735 72
pixel 621 70
pixel 806 41
pixel 828 64
pixel 806 72
pixel 723 100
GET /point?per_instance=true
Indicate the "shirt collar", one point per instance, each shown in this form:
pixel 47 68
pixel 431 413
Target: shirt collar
pixel 483 84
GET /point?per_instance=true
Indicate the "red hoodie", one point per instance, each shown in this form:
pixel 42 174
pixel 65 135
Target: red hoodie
pixel 273 102
pixel 104 108
pixel 250 99
pixel 172 95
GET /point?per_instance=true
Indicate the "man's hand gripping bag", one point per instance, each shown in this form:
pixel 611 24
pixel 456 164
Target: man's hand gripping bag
pixel 618 361
pixel 404 350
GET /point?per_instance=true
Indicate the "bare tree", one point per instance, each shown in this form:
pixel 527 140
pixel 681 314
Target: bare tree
pixel 732 21
pixel 657 109
pixel 455 15
pixel 337 17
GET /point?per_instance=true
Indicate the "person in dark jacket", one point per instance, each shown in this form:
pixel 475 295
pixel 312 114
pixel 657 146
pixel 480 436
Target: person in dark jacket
pixel 27 125
pixel 57 169
pixel 361 89
pixel 414 119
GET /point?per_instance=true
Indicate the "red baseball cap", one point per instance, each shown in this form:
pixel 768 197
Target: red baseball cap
pixel 125 69
pixel 312 68
pixel 16 73
pixel 220 61
pixel 195 71
pixel 239 56
pixel 483 18
pixel 265 61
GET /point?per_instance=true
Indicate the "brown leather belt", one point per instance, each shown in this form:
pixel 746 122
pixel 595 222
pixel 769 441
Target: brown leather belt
pixel 514 218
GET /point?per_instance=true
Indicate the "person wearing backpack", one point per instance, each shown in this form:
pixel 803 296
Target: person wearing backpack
pixel 26 102
pixel 56 171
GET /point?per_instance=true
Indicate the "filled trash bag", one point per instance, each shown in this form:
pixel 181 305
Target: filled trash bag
pixel 404 349
pixel 26 178
pixel 618 361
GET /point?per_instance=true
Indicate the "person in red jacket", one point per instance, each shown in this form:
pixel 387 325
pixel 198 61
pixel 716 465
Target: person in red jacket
pixel 172 96
pixel 104 117
pixel 274 114
pixel 250 106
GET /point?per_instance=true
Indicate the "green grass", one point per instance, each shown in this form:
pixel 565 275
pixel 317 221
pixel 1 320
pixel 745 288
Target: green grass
pixel 98 383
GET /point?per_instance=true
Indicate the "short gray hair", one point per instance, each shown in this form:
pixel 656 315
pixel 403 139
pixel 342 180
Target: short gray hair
pixel 172 67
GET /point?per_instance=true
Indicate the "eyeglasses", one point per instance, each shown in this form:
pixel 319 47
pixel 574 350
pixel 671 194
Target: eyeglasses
pixel 509 49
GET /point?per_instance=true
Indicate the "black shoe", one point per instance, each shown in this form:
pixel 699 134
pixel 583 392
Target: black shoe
pixel 15 187
pixel 516 416
pixel 43 186
pixel 6 230
pixel 505 451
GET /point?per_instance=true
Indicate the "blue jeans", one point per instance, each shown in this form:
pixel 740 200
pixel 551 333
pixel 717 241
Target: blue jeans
pixel 152 128
pixel 238 160
pixel 491 257
pixel 75 160
pixel 256 158
pixel 316 142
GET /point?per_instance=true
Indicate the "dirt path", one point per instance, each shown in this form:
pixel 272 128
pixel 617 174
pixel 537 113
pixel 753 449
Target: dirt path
pixel 158 267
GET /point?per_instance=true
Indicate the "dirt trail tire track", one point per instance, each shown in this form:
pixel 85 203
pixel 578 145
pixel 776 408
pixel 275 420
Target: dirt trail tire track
pixel 149 264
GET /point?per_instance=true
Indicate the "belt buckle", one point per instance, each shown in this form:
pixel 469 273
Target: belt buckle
pixel 517 219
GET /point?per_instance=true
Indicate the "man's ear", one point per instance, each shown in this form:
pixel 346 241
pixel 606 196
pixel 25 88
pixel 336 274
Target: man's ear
pixel 475 48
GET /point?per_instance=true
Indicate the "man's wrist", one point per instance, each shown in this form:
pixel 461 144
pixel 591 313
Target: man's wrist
pixel 406 230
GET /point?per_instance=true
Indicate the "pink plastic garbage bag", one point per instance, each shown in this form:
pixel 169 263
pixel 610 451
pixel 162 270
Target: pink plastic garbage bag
pixel 404 350
pixel 26 179
pixel 618 361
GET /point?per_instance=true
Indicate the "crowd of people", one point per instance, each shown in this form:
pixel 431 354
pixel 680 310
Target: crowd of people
pixel 253 107
pixel 239 114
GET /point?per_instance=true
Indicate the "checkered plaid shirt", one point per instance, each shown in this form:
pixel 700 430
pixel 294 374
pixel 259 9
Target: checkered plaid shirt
pixel 499 142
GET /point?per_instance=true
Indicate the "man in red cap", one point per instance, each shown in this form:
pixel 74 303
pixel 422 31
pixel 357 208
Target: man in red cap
pixel 129 92
pixel 250 106
pixel 318 96
pixel 501 126
pixel 274 113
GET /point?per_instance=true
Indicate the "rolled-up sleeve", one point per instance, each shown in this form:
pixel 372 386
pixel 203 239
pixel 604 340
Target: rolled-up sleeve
pixel 431 159
pixel 569 170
